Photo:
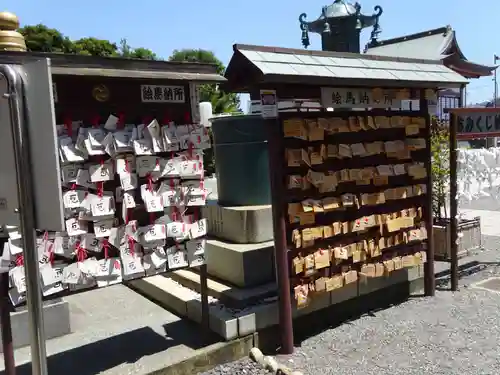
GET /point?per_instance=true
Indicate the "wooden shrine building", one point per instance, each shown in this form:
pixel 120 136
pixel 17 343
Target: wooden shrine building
pixel 437 44
pixel 341 23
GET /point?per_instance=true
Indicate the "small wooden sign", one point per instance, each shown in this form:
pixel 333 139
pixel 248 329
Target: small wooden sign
pixel 477 122
pixel 333 97
pixel 162 94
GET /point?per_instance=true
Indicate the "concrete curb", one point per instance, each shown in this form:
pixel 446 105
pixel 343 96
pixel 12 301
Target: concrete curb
pixel 210 357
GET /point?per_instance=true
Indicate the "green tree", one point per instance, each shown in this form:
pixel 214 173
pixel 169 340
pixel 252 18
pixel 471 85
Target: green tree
pixel 440 165
pixel 222 102
pixel 40 38
pixel 136 53
pixel 95 47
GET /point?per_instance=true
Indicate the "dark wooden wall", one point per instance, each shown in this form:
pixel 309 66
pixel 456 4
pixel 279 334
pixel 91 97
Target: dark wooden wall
pixel 75 100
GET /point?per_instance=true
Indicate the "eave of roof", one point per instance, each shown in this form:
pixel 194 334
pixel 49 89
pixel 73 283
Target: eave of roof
pixel 66 64
pixel 446 49
pixel 431 44
pixel 140 74
pixel 251 65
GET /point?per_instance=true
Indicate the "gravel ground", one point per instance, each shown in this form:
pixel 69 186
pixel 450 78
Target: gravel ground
pixel 452 333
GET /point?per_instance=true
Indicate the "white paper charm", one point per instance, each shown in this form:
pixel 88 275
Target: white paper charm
pixel 123 140
pixel 18 278
pixel 155 135
pixel 14 246
pixel 102 206
pixel 103 228
pixel 73 198
pixel 177 257
pixel 129 200
pixel 125 164
pixel 75 227
pixel 90 242
pixel 198 229
pixel 51 275
pixel 147 165
pixel 177 230
pixel 196 252
pixel 159 257
pixel 71 274
pixel 128 181
pixel 143 146
pixel 152 200
pixel 109 272
pixel 132 266
pixel 101 172
pixel 83 179
pixel 69 173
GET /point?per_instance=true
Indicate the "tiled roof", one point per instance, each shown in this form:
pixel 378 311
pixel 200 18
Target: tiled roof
pixel 319 64
pixel 431 44
pixel 436 44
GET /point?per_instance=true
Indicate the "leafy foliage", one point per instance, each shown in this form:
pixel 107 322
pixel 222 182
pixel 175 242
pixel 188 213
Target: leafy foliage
pixel 136 53
pixel 40 38
pixel 198 55
pixel 440 153
pixel 95 47
pixel 222 102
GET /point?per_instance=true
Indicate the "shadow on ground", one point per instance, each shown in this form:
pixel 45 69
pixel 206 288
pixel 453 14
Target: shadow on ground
pixel 125 348
pixel 342 313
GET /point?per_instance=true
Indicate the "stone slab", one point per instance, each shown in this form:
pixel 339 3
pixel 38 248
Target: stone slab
pixel 243 265
pixel 184 302
pixel 229 294
pixel 56 318
pixel 244 225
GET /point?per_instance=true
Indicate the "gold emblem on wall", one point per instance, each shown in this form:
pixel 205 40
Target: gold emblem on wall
pixel 100 93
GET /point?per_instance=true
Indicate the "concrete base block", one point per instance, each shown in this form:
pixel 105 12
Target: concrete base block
pixel 257 318
pixel 244 225
pixel 318 302
pixel 343 294
pixel 243 265
pixel 221 321
pixel 368 285
pixel 56 320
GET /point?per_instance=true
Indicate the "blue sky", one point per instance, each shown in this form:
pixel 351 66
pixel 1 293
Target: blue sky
pixel 165 25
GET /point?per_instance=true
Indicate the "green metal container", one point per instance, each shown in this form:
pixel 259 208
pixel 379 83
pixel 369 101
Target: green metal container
pixel 241 160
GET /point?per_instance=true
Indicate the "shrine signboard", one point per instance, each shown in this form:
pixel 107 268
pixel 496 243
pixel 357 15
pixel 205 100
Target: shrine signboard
pixel 333 97
pixel 478 123
pixel 162 94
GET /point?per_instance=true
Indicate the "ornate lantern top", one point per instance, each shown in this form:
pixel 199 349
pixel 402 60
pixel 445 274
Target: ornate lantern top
pixel 336 14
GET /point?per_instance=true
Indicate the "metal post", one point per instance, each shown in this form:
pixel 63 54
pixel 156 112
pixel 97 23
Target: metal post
pixel 27 219
pixel 495 94
pixel 453 202
pixel 8 347
pixel 276 152
pixel 429 276
pixel 205 309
